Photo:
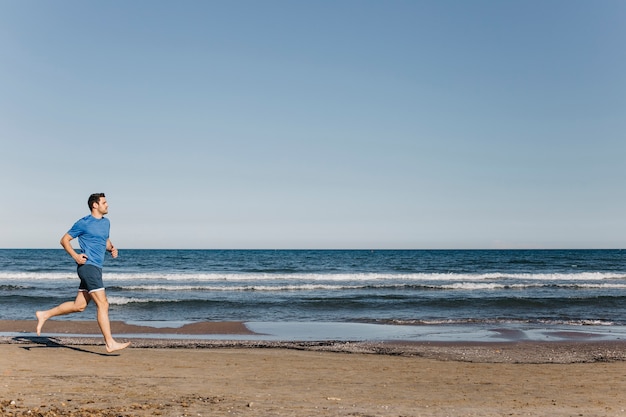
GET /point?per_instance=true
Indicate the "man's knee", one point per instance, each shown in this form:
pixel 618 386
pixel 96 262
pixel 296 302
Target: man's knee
pixel 104 303
pixel 79 307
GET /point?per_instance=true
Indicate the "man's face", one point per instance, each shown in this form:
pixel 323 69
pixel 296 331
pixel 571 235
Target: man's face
pixel 102 206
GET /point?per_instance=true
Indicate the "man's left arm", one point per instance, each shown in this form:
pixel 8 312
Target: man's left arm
pixel 111 248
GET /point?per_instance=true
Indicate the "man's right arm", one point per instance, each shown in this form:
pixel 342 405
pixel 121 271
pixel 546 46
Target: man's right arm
pixel 78 258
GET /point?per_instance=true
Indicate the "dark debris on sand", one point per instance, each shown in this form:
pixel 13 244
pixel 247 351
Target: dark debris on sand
pixel 13 408
pixel 485 352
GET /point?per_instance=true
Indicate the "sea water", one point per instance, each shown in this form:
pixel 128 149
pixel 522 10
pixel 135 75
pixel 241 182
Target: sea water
pixel 495 288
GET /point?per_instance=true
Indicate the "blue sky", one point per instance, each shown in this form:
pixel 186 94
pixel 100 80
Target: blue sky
pixel 326 124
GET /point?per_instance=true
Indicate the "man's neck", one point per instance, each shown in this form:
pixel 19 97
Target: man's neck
pixel 96 215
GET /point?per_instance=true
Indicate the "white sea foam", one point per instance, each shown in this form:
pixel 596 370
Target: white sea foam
pixel 192 288
pixel 461 286
pixel 35 276
pixel 312 277
pixel 127 300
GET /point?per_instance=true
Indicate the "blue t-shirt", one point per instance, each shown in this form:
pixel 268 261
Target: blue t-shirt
pixel 92 237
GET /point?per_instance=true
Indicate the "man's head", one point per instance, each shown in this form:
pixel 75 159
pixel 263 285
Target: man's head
pixel 98 203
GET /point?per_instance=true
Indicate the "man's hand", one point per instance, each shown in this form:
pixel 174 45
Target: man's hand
pixel 114 252
pixel 81 259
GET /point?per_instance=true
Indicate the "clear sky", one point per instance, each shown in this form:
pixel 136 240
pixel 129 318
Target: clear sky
pixel 321 124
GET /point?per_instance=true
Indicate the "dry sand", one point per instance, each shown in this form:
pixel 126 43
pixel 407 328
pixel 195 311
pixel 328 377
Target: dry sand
pixel 71 376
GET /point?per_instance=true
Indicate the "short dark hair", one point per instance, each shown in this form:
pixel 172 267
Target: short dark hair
pixel 94 198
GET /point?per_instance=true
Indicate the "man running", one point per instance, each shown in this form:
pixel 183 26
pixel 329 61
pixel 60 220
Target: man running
pixel 92 232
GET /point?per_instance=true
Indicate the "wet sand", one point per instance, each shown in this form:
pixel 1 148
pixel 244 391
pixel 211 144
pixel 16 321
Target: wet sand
pixel 74 376
pixel 117 327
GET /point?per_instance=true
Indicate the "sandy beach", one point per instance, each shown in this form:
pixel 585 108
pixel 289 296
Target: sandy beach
pixel 74 376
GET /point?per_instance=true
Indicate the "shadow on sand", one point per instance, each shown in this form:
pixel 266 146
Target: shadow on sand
pixel 49 342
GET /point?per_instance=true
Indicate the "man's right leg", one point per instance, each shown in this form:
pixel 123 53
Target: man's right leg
pixel 100 298
pixel 79 304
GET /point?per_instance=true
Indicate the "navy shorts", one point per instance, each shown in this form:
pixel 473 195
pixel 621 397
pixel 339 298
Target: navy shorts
pixel 90 278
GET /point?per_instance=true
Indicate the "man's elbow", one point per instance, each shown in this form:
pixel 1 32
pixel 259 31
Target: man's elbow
pixel 64 240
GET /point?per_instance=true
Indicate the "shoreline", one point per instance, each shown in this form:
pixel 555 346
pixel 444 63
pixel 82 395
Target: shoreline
pixel 572 348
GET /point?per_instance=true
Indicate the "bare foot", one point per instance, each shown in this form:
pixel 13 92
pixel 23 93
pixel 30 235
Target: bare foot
pixel 41 319
pixel 117 346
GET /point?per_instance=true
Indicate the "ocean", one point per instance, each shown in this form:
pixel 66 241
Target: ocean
pixel 423 289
